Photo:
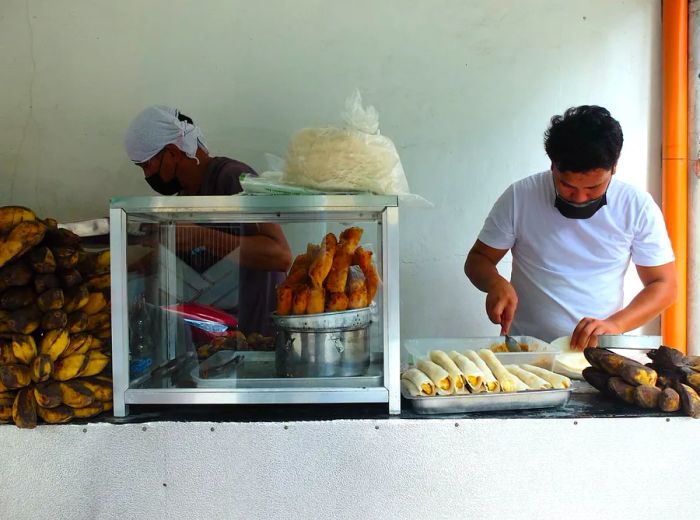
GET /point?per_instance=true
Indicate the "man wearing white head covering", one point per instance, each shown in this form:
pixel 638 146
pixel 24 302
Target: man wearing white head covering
pixel 169 147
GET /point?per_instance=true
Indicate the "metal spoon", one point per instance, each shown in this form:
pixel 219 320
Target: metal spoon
pixel 512 345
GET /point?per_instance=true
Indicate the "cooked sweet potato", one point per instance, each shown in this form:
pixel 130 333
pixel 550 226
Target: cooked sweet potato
pixel 635 374
pixel 669 400
pixel 621 389
pixel 647 396
pixel 597 378
pixel 690 401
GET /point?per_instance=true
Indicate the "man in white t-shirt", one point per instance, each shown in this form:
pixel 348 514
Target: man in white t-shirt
pixel 572 231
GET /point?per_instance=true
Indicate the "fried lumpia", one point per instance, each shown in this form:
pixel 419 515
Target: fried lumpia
pixel 321 265
pixel 284 300
pixel 317 300
pixel 336 301
pixel 363 258
pixel 301 299
pixel 338 275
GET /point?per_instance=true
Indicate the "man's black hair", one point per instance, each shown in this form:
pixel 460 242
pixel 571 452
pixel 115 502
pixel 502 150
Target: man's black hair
pixel 183 117
pixel 584 138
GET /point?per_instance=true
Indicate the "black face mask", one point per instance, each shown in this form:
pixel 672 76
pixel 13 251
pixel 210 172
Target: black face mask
pixel 156 182
pixel 579 211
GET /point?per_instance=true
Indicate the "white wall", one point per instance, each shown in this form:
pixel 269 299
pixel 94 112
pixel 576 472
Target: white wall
pixel 465 89
pixel 361 470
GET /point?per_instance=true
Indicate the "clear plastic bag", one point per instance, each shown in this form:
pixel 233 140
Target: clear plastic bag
pixel 354 158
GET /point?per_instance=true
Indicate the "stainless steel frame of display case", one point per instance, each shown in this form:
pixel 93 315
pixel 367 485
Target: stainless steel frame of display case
pixel 264 208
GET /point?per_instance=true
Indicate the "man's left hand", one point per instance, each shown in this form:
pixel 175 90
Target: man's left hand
pixel 587 331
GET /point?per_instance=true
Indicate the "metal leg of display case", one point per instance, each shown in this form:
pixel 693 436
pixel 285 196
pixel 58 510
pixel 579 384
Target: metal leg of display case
pixel 392 330
pixel 120 323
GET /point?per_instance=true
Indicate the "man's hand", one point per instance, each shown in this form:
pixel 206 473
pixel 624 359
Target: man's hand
pixel 501 302
pixel 588 329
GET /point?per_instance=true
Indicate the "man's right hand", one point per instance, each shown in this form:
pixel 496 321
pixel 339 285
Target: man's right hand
pixel 501 302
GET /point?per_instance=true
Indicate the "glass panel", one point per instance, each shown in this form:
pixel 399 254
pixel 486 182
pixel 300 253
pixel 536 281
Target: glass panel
pixel 203 298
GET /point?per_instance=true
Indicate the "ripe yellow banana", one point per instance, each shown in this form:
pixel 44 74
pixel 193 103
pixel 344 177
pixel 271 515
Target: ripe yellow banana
pixel 54 343
pixel 24 409
pixel 76 298
pixel 42 367
pixel 97 362
pixel 15 376
pixel 96 302
pixel 21 239
pixel 99 321
pixel 15 275
pixel 76 395
pixel 70 367
pixel 59 415
pixel 77 322
pixel 100 282
pixel 50 300
pixel 66 257
pixel 56 319
pixel 102 389
pixel 24 348
pixel 48 394
pixel 7 400
pixel 10 216
pixel 79 344
pixel 95 408
pixel 7 355
pixel 42 260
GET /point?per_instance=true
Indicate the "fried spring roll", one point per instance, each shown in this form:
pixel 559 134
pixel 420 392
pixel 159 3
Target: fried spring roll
pixel 444 385
pixel 317 300
pixel 336 302
pixel 349 239
pixel 301 299
pixel 363 258
pixel 321 265
pixel 284 300
pixel 338 275
pixel 440 358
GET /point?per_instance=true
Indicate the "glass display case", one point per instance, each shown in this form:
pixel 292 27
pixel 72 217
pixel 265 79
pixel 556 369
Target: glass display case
pixel 206 310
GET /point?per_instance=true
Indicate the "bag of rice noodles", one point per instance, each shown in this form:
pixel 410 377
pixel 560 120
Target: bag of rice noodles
pixel 353 158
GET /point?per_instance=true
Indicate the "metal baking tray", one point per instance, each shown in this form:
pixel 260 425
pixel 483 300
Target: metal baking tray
pixel 502 401
pixel 257 370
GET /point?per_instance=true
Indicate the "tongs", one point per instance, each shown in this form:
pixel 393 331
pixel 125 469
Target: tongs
pixel 512 345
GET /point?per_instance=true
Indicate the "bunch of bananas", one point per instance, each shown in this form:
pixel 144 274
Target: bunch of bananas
pixel 55 323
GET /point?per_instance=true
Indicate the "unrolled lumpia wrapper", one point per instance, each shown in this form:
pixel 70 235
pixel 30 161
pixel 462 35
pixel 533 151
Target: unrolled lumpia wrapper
pixel 408 387
pixel 473 376
pixel 490 382
pixel 444 385
pixel 505 379
pixel 556 380
pixel 531 380
pixel 422 382
pixel 441 358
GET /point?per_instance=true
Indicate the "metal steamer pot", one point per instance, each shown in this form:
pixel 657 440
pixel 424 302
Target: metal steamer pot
pixel 332 344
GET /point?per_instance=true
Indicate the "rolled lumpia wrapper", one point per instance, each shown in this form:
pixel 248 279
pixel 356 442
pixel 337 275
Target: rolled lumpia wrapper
pixel 533 381
pixel 420 381
pixel 520 385
pixel 505 379
pixel 441 358
pixel 556 380
pixel 444 385
pixel 409 388
pixel 473 376
pixel 490 382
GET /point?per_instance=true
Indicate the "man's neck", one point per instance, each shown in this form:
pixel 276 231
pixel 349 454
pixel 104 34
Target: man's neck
pixel 195 175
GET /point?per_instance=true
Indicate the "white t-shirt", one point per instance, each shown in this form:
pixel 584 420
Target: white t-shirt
pixel 567 269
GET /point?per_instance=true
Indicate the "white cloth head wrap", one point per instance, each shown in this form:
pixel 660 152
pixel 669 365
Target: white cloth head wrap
pixel 157 126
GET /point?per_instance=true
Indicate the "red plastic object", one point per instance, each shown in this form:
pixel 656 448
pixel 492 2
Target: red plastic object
pixel 207 322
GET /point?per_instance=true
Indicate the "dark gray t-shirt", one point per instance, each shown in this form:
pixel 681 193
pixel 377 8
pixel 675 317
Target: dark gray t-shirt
pixel 256 299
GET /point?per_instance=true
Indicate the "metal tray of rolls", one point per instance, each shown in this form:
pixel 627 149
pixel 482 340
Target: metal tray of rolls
pixel 489 402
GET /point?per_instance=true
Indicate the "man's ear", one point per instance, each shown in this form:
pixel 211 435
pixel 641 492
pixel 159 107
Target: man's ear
pixel 613 169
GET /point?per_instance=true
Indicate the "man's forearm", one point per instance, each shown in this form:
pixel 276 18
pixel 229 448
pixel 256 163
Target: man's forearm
pixel 648 304
pixel 481 272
